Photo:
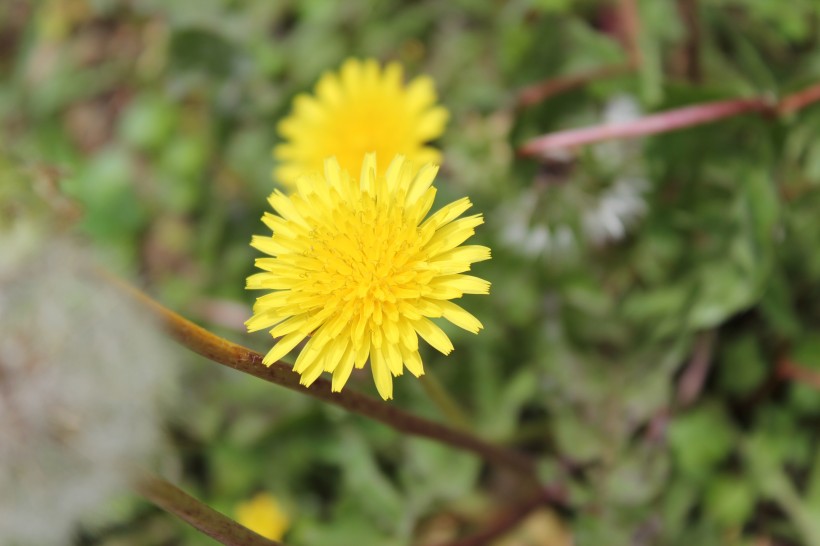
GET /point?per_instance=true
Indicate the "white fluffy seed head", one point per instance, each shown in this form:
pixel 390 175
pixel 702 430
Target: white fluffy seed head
pixel 82 377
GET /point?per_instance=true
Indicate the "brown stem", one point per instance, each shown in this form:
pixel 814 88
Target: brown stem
pixel 198 515
pixel 506 521
pixel 245 360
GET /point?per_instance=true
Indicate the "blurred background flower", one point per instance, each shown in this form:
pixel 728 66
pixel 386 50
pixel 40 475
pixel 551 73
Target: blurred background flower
pixel 263 514
pixel 84 379
pixel 360 109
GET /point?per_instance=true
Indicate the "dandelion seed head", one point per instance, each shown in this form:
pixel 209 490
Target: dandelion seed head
pixel 82 375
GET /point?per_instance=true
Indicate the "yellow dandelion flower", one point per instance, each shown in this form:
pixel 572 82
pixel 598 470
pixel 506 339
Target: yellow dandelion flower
pixel 263 515
pixel 356 267
pixel 360 109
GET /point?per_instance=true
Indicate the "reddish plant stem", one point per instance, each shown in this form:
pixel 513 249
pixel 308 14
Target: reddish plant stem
pixel 628 30
pixel 656 123
pixel 670 120
pixel 799 100
pixel 533 94
pixel 787 369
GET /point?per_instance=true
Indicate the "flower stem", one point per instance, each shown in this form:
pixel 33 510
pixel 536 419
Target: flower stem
pixel 446 404
pixel 200 516
pixel 229 354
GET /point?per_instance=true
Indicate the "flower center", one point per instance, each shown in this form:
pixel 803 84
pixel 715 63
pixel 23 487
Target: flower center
pixel 369 253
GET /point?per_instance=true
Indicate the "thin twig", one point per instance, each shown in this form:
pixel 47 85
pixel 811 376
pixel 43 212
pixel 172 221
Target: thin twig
pixel 628 29
pixel 198 515
pixel 670 120
pixel 690 53
pixel 787 369
pixel 506 521
pixel 543 90
pixel 652 124
pixel 629 22
pixel 799 100
pixel 245 360
pixel 694 376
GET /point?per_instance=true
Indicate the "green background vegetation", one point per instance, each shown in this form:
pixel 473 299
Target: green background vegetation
pixel 157 118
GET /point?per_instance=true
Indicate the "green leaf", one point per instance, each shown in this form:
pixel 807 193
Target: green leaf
pixel 741 366
pixel 700 440
pixel 729 500
pixel 148 122
pixel 723 290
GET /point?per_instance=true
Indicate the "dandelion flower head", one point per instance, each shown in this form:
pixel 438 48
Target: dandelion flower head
pixel 355 266
pixel 361 109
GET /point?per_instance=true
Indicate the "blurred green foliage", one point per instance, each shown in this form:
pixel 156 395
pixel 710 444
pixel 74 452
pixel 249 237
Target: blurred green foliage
pixel 610 268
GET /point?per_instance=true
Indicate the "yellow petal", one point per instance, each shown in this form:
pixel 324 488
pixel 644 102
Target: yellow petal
pixel 282 204
pixel 310 354
pixel 328 89
pixel 342 371
pixel 391 331
pixel 432 124
pixel 268 245
pixel 367 178
pixel 460 317
pixel 412 360
pixel 291 325
pixel 409 338
pixel 265 319
pixel 467 254
pixel 333 352
pixel 376 337
pixel 381 375
pixel 283 347
pixel 422 182
pixel 311 373
pixel 421 93
pixel 362 352
pixel 467 284
pixel 448 213
pixel 433 335
pixel 392 356
pixel 453 234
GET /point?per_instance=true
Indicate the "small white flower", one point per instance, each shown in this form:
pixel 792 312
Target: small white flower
pixel 578 206
pixel 617 208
